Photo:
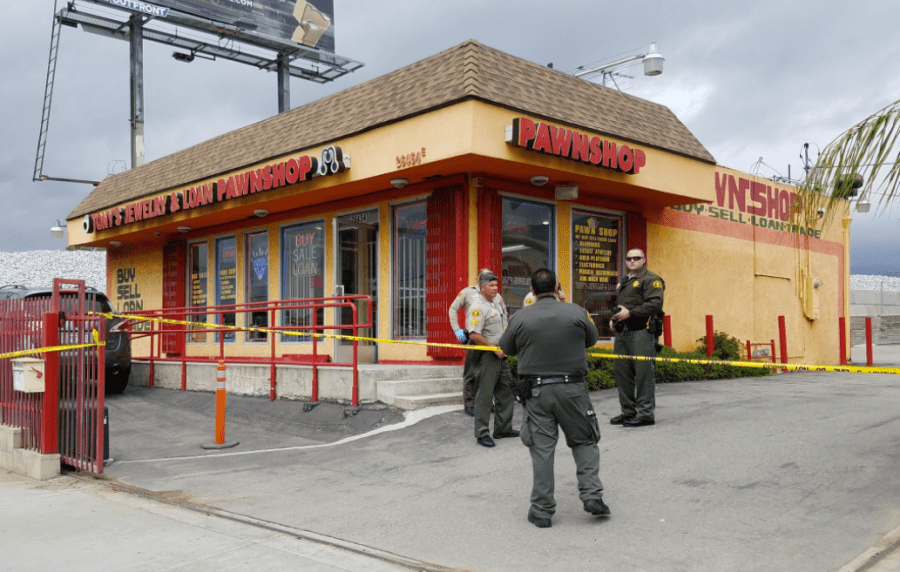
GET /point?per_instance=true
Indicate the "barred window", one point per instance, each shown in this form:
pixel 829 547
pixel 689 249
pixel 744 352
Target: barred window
pixel 410 222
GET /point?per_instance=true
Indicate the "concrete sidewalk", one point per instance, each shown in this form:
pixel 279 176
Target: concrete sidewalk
pixel 793 472
pixel 75 524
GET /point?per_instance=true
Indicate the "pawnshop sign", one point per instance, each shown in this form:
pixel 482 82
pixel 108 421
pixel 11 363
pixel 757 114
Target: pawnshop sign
pixel 745 201
pixel 272 176
pixel 569 144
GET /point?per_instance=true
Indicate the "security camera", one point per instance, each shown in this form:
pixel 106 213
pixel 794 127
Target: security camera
pixel 821 212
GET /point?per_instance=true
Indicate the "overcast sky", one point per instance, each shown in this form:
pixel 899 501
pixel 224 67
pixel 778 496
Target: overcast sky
pixel 752 80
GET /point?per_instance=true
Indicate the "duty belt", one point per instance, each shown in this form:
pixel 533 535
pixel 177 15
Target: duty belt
pixel 537 380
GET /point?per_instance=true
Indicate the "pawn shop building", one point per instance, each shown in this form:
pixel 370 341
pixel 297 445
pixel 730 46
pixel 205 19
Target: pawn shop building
pixel 401 188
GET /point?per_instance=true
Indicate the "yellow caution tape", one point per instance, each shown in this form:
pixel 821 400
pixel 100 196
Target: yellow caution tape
pixel 787 366
pixel 47 349
pixel 224 328
pixel 783 366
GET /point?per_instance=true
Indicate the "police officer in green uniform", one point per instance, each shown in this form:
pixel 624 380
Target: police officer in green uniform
pixel 550 338
pixel 486 322
pixel 462 302
pixel 639 297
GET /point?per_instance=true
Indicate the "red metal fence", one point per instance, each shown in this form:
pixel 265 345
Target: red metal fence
pixel 283 318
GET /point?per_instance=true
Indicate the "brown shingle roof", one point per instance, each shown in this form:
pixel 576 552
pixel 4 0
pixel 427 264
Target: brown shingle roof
pixel 469 70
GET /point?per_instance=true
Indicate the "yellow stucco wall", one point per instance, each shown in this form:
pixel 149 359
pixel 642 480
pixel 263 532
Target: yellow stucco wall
pixel 746 273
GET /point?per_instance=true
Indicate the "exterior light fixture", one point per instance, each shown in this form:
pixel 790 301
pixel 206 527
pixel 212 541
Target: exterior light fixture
pixel 398 183
pixel 261 212
pixel 57 230
pixel 184 229
pixel 863 205
pixel 653 65
pixel 653 62
pixel 539 180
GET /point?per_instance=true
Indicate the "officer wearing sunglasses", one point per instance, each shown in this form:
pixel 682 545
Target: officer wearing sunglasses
pixel 639 296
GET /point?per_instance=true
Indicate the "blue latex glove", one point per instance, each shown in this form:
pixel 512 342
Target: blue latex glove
pixel 460 335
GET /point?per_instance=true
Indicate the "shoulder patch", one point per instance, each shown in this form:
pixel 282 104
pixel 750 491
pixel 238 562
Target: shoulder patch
pixel 657 284
pixel 476 312
pixel 529 301
pixel 474 321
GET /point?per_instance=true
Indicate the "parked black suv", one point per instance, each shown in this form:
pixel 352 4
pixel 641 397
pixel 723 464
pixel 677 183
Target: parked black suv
pixel 118 344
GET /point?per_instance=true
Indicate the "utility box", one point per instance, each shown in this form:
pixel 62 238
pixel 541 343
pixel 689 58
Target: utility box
pixel 28 375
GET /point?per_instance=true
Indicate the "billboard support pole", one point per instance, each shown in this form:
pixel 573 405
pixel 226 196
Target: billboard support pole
pixel 136 41
pixel 284 85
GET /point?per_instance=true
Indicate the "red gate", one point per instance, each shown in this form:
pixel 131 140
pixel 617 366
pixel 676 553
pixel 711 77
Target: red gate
pixel 67 417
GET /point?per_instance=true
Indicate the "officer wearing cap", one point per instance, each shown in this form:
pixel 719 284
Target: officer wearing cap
pixel 462 302
pixel 486 323
pixel 639 296
pixel 550 339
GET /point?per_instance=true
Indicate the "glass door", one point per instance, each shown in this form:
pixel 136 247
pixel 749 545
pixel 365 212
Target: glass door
pixel 357 273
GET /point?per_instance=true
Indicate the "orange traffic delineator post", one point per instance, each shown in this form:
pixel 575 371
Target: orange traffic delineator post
pixel 220 411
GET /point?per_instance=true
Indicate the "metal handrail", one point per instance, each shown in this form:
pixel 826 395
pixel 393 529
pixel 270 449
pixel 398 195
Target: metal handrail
pixel 160 328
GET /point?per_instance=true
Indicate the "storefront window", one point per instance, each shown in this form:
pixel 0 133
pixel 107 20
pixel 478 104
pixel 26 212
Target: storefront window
pixel 527 243
pixel 303 272
pixel 226 281
pixel 595 264
pixel 256 279
pixel 199 273
pixel 410 223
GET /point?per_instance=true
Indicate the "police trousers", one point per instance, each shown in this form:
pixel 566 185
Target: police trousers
pixel 470 377
pixel 492 383
pixel 634 378
pixel 567 406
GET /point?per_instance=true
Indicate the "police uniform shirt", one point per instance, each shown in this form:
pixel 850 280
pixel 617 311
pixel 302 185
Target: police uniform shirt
pixel 642 294
pixel 464 300
pixel 543 338
pixel 487 318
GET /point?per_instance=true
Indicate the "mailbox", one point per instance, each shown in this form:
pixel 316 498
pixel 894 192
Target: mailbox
pixel 28 375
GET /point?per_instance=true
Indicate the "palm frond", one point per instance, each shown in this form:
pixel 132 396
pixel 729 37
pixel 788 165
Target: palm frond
pixel 868 150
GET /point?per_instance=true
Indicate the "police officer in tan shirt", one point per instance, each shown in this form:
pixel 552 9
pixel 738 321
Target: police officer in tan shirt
pixel 486 322
pixel 463 301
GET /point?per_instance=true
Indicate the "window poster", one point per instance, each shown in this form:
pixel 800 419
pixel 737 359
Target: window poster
pixel 257 281
pixel 226 281
pixel 595 264
pixel 303 271
pixel 199 287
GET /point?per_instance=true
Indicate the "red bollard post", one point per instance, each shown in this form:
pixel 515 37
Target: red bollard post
pixel 220 410
pixel 842 332
pixel 667 330
pixel 869 341
pixel 710 337
pixel 782 339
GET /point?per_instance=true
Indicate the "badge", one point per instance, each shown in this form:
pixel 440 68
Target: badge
pixel 657 284
pixel 636 284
